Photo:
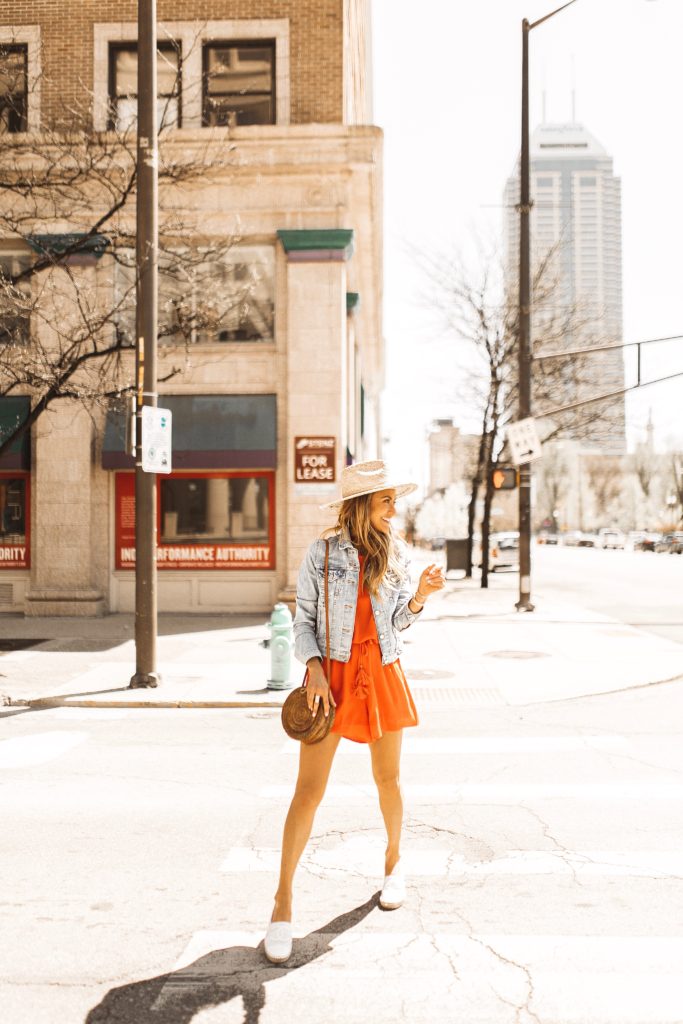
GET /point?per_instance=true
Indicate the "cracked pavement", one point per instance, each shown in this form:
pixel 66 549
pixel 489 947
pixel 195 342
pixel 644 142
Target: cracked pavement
pixel 141 861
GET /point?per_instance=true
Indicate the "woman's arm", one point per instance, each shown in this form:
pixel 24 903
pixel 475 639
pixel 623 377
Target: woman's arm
pixel 307 595
pixel 407 609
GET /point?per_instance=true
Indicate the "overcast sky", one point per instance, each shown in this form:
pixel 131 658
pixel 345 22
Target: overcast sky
pixel 447 81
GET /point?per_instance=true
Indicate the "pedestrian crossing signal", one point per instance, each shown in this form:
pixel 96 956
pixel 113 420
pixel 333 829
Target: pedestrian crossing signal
pixel 504 478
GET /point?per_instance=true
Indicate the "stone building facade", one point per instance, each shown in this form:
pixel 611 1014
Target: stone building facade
pixel 290 382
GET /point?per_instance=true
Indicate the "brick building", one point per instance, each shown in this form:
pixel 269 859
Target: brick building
pixel 276 97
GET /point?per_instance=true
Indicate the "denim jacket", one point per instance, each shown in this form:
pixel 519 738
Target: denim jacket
pixel 390 606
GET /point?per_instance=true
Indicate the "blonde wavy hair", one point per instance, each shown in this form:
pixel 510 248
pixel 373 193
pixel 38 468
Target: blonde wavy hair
pixel 382 558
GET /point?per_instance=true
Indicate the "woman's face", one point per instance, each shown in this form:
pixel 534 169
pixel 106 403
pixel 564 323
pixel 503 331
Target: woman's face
pixel 382 510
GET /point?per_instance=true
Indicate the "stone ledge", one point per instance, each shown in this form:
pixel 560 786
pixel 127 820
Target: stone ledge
pixel 64 602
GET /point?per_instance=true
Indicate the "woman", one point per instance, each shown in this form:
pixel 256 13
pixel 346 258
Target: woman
pixel 371 601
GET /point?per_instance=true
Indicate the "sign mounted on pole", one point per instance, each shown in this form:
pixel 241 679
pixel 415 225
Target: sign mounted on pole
pixel 523 441
pixel 156 439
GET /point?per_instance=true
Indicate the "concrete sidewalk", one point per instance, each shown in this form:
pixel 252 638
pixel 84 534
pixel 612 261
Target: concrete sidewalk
pixel 471 648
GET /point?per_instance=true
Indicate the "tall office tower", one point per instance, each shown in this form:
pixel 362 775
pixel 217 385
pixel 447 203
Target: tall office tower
pixel 576 219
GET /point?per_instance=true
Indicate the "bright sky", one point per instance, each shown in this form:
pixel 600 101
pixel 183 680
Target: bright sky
pixel 447 94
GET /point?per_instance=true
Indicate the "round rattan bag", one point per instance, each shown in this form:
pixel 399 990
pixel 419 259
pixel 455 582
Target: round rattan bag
pixel 299 723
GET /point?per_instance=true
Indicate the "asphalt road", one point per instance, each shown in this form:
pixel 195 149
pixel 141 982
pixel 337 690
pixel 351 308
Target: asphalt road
pixel 640 588
pixel 542 847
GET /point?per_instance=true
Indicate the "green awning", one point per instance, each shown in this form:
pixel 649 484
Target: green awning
pixel 14 409
pixel 209 432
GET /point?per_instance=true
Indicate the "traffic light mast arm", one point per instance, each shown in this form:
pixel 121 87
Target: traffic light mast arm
pixel 542 413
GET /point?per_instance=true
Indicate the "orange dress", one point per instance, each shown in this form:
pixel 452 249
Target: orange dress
pixel 371 698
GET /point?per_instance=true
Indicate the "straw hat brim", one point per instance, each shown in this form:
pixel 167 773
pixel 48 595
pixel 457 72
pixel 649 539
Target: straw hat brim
pixel 401 491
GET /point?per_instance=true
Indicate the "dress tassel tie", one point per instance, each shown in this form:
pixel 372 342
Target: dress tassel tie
pixel 363 681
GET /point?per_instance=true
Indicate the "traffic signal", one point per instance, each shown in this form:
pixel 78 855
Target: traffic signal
pixel 504 478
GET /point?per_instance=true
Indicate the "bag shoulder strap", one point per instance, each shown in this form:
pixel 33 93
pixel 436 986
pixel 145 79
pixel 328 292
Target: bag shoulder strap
pixel 327 610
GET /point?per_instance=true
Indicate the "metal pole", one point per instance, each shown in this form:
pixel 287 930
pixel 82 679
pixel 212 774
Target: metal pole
pixel 524 354
pixel 146 332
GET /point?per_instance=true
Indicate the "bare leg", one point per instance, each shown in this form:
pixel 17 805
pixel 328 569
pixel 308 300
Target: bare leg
pixel 386 761
pixel 315 761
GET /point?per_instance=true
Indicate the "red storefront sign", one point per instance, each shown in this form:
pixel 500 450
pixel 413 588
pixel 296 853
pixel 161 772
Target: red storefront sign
pixel 195 553
pixel 15 524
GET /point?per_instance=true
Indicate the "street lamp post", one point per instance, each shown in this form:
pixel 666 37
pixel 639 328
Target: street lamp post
pixel 146 259
pixel 524 337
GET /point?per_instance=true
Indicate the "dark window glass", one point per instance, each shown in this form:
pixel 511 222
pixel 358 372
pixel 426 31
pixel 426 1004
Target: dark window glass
pixel 14 300
pixel 195 510
pixel 13 88
pixel 123 85
pixel 239 83
pixel 12 510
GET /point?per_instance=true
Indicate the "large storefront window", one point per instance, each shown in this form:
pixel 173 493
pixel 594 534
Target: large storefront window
pixel 206 521
pixel 205 299
pixel 14 521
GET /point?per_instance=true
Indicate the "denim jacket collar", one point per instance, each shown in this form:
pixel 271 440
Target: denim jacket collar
pixel 345 541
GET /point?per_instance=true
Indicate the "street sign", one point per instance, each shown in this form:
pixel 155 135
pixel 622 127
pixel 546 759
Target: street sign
pixel 523 441
pixel 156 439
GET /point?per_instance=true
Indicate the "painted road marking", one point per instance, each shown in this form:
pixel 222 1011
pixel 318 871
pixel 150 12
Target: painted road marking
pixel 499 744
pixel 39 748
pixel 496 792
pixel 360 854
pixel 568 978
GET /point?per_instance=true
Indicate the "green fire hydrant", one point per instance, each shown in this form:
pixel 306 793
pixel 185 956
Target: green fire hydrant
pixel 281 645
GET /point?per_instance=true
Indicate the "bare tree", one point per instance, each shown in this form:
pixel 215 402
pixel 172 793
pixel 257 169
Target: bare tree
pixel 480 312
pixel 67 286
pixel 606 479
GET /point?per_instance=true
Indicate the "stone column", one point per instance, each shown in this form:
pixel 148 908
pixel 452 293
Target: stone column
pixel 316 378
pixel 62 554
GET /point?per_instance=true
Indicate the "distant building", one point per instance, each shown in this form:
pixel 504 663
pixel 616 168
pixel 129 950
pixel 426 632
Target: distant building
pixel 452 456
pixel 577 209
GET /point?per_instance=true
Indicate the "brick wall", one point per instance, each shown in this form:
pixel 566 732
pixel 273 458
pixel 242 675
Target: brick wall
pixel 316 44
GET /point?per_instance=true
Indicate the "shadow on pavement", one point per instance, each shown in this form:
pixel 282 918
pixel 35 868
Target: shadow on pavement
pixel 216 978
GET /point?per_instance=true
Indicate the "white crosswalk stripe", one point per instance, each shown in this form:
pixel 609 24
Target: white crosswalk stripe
pixel 499 744
pixel 560 972
pixel 360 855
pixel 512 793
pixel 38 748
pixel 556 979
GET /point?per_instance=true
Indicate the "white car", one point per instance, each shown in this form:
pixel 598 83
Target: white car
pixel 611 538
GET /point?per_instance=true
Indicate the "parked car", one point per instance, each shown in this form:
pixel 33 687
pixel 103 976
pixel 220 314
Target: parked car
pixel 504 550
pixel 571 538
pixel 611 538
pixel 670 543
pixel 547 537
pixel 588 540
pixel 643 541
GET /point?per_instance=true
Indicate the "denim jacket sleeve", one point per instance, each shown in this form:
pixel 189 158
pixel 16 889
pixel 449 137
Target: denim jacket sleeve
pixel 403 617
pixel 305 641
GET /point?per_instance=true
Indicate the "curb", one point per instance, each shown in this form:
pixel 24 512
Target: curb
pixel 56 702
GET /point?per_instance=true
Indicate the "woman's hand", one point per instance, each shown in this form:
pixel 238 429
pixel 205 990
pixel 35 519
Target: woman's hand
pixel 431 580
pixel 318 688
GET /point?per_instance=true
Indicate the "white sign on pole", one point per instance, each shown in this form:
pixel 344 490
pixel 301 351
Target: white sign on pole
pixel 156 439
pixel 523 441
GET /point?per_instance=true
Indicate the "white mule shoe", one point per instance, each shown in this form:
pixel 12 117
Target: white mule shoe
pixel 394 890
pixel 277 944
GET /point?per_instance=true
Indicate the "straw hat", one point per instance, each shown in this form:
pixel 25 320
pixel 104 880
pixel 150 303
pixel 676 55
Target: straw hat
pixel 367 478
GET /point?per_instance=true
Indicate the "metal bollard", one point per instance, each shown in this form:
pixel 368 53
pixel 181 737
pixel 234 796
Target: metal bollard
pixel 281 645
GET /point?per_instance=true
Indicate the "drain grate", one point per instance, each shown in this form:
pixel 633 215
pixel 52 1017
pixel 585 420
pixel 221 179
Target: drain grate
pixel 461 696
pixel 517 654
pixel 18 645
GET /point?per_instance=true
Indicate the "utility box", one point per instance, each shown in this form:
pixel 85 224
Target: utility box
pixel 456 554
